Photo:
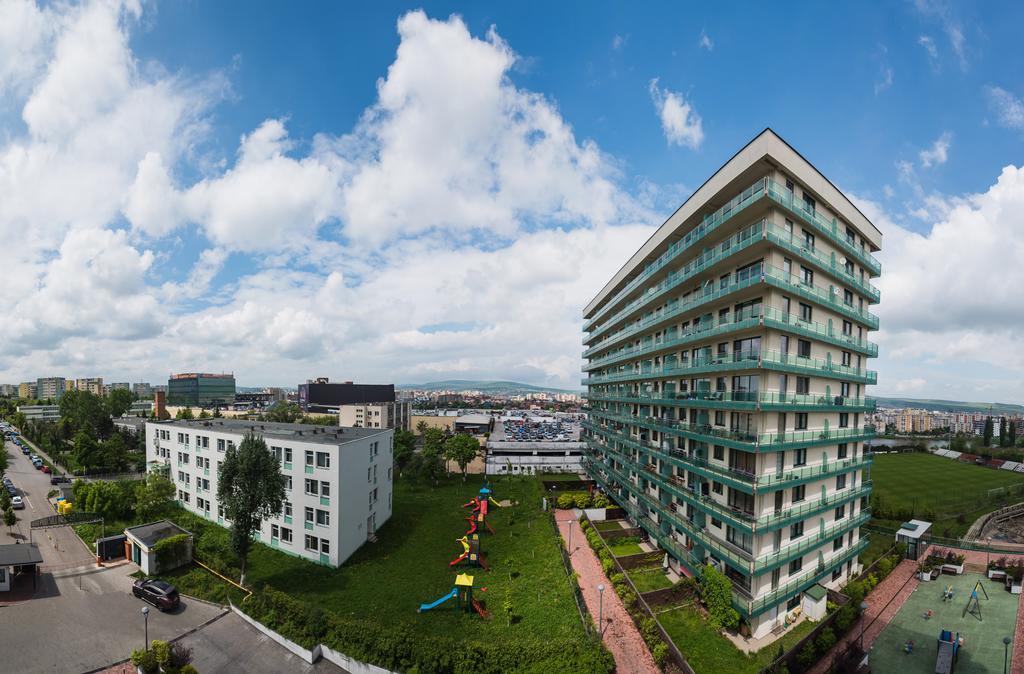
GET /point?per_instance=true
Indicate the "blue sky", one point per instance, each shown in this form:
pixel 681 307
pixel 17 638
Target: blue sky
pixel 368 193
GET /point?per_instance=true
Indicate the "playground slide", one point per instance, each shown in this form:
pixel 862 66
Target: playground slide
pixel 434 604
pixel 458 559
pixel 480 609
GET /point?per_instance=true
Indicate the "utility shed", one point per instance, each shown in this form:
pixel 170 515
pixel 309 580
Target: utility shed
pixel 142 541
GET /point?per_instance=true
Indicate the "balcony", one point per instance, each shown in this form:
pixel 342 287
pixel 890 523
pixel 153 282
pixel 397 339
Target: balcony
pixel 825 263
pixel 806 543
pixel 742 400
pixel 804 580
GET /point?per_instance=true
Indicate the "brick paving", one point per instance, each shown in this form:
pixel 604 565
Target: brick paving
pixel 1017 665
pixel 890 588
pixel 621 636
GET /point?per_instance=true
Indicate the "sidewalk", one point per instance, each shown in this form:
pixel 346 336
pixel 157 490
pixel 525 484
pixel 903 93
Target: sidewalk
pixel 877 600
pixel 621 636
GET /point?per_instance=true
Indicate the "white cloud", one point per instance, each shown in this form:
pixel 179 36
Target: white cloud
pixel 942 11
pixel 1008 108
pixel 619 42
pixel 938 153
pixel 928 43
pixel 26 31
pixel 679 120
pixel 705 42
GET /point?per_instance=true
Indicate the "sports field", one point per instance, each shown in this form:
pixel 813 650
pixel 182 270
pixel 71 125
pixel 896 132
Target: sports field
pixel 941 489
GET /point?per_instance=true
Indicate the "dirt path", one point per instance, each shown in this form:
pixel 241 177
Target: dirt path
pixel 892 586
pixel 620 634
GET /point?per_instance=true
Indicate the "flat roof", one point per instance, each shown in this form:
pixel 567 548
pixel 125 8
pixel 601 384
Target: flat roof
pixel 154 532
pixel 766 146
pixel 914 529
pixel 17 554
pixel 328 435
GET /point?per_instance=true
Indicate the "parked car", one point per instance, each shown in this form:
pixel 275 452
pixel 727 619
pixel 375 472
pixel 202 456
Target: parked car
pixel 17 503
pixel 60 479
pixel 159 593
pixel 26 451
pixel 45 468
pixel 38 464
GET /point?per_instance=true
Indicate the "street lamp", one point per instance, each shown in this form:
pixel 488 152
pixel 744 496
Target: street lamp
pixel 145 615
pixel 863 622
pixel 600 610
pixel 1006 652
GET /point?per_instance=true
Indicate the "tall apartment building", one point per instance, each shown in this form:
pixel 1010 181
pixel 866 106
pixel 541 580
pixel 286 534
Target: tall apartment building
pixel 142 390
pixel 27 390
pixel 339 479
pixel 726 367
pixel 376 415
pixel 93 385
pixel 49 388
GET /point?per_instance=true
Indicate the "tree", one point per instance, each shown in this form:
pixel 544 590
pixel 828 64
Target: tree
pixel 284 412
pixel 405 444
pixel 204 414
pixel 216 413
pixel 5 499
pixel 10 519
pixel 85 449
pixel 119 402
pixel 1002 432
pixel 461 449
pixel 185 413
pixel 421 427
pixel 716 591
pixel 433 441
pixel 958 443
pixel 251 488
pixel 987 433
pixel 85 411
pixel 152 496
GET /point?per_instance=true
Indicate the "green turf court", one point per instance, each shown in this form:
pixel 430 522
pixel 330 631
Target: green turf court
pixel 983 639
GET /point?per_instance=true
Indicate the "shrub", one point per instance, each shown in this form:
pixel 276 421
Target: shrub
pixel 845 618
pixel 601 500
pixel 884 567
pixel 660 653
pixel 582 500
pixel 716 591
pixel 826 640
pixel 607 565
pixel 161 651
pixel 145 660
pixel 806 656
pixel 565 501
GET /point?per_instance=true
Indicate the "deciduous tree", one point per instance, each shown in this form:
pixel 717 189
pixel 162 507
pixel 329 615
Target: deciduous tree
pixel 461 449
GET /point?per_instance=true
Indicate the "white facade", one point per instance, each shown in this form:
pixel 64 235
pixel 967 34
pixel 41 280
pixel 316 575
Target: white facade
pixel 352 465
pixel 376 415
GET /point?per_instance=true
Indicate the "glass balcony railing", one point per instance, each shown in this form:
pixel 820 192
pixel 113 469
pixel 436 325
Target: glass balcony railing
pixel 809 542
pixel 751 400
pixel 805 580
pixel 826 297
pixel 781 195
pixel 740 360
pixel 785 239
pixel 776 318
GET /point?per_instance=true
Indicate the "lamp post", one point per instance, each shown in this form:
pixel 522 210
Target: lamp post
pixel 600 610
pixel 570 537
pixel 145 616
pixel 863 622
pixel 988 551
pixel 1006 652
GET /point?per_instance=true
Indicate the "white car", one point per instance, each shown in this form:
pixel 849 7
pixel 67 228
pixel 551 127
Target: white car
pixel 17 503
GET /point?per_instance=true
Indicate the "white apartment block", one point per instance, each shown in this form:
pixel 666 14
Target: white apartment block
pixel 726 373
pixel 376 415
pixel 339 479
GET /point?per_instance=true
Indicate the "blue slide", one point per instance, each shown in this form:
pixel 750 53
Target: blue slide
pixel 435 604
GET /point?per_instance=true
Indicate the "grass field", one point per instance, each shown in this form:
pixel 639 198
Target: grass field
pixel 386 581
pixel 940 490
pixel 649 579
pixel 708 651
pixel 624 547
pixel 608 525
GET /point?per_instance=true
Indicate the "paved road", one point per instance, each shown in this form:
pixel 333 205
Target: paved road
pixel 85 620
pixel 60 547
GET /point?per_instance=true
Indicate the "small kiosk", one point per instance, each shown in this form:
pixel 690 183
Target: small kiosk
pixel 915 534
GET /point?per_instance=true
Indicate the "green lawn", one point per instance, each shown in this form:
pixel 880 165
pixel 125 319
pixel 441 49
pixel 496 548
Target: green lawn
pixel 649 579
pixel 608 525
pixel 932 484
pixel 386 581
pixel 624 548
pixel 708 651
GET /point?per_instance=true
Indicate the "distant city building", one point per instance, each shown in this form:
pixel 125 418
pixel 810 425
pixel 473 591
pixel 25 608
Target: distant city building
pixel 141 408
pixel 198 389
pixel 92 385
pixel 376 415
pixel 40 412
pixel 49 388
pixel 339 480
pixel 142 390
pixel 526 442
pixel 9 390
pixel 27 390
pixel 320 396
pixel 120 386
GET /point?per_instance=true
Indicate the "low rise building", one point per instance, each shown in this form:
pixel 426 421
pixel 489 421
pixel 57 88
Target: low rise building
pixel 40 412
pixel 339 479
pixel 376 415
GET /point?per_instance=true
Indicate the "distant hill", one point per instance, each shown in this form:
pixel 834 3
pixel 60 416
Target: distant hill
pixel 950 405
pixel 493 387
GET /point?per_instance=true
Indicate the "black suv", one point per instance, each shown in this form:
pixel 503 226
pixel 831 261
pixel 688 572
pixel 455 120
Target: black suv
pixel 159 593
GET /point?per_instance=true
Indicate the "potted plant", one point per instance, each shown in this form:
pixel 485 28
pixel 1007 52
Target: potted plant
pixel 925 570
pixel 1016 580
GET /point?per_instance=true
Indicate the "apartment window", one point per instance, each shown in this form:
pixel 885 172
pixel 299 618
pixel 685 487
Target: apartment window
pixel 785 309
pixel 323 460
pixel 325 546
pixel 312 543
pixel 719 418
pixel 750 271
pixel 275 531
pixel 309 514
pixel 286 534
pixel 789 186
pixel 837 573
pixel 719 453
pixel 841 481
pixel 220 511
pixel 312 487
pixel 844 389
pixel 849 267
pixel 723 282
pixel 325 488
pixel 288 482
pixel 801 421
pixel 796 565
pixel 803 385
pixel 794 602
pixel 803 348
pixel 841 453
pixel 796 530
pixel 789 225
pixel 787 266
pixel 844 420
pixel 309 457
pixel 784 344
pixel 848 328
pixel 847 298
pixel 714 522
pixel 837 544
pixel 743 541
pixel 799 492
pixel 809 203
pixel 806 276
pixel 323 518
pixel 723 347
pixel 717 487
pixel 800 457
pixel 287 509
pixel 841 512
pixel 847 358
pixel 808 239
pixel 850 236
pixel 220 444
pixel 805 312
pixel 367 473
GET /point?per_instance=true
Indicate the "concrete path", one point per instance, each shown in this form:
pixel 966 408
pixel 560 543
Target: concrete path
pixel 620 633
pixel 891 588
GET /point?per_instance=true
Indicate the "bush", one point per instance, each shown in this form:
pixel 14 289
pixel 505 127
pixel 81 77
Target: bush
pixel 145 660
pixel 660 653
pixel 884 567
pixel 826 640
pixel 806 656
pixel 716 591
pixel 582 500
pixel 565 501
pixel 845 618
pixel 601 500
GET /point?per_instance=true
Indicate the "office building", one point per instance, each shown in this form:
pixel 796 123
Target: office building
pixel 142 390
pixel 726 367
pixel 197 389
pixel 49 388
pixel 320 396
pixel 339 479
pixel 396 414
